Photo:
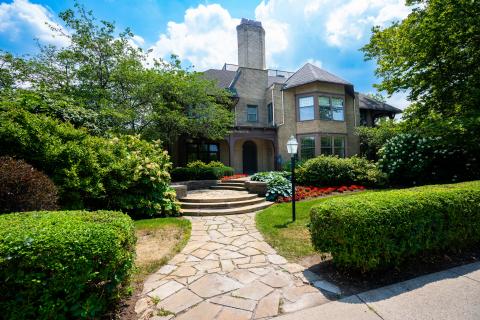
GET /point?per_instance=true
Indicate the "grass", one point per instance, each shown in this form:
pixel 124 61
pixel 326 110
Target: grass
pixel 290 239
pixel 158 241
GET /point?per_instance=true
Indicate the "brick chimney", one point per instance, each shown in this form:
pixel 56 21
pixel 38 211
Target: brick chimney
pixel 251 44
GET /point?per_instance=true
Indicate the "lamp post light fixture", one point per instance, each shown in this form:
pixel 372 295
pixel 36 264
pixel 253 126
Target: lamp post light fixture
pixel 292 147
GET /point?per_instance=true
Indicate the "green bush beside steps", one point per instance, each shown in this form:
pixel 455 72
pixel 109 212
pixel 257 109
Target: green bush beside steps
pixel 198 170
pixel 63 264
pixel 381 229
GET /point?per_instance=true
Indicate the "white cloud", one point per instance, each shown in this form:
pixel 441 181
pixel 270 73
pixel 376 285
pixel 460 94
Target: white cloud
pixel 22 17
pixel 206 37
pixel 341 23
pixel 354 19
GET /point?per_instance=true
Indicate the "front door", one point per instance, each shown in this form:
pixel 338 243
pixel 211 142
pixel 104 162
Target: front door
pixel 249 157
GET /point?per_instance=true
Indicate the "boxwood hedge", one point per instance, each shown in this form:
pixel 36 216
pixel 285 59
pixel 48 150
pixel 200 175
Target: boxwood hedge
pixel 63 264
pixel 381 229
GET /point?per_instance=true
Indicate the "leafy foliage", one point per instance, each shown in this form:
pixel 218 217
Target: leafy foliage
pixel 23 188
pixel 278 183
pixel 381 229
pixel 198 170
pixel 64 264
pixel 102 82
pixel 434 55
pixel 120 173
pixel 412 159
pixel 334 171
pixel 373 138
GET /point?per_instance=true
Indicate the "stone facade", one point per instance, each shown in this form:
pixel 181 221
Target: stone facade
pixel 267 109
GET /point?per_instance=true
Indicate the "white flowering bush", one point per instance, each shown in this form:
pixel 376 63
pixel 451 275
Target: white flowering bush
pixel 411 159
pixel 138 181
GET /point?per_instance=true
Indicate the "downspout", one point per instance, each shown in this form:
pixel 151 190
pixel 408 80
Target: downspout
pixel 283 113
pixel 273 108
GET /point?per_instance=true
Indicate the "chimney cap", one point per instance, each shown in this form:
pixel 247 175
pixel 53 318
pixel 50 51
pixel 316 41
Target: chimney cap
pixel 252 23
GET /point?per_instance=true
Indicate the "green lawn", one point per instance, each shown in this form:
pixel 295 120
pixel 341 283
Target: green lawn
pixel 158 240
pixel 291 240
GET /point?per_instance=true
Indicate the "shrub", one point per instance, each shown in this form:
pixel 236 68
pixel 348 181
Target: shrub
pixel 334 171
pixel 121 173
pixel 266 176
pixel 63 264
pixel 372 139
pixel 201 164
pixel 410 159
pixel 381 229
pixel 277 183
pixel 198 170
pixel 22 188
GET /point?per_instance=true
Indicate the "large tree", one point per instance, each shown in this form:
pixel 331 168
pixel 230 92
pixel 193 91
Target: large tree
pixel 102 81
pixel 434 54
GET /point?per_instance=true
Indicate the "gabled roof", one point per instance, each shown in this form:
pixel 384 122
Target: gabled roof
pixel 310 73
pixel 365 102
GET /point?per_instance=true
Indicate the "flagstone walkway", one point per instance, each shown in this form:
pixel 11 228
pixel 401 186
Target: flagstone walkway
pixel 227 271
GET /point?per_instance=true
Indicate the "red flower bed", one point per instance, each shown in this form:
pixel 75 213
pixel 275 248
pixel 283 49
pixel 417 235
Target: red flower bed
pixel 235 176
pixel 302 192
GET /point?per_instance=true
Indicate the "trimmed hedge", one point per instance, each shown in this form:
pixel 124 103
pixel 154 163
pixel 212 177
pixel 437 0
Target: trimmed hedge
pixel 63 264
pixel 201 173
pixel 330 171
pixel 374 230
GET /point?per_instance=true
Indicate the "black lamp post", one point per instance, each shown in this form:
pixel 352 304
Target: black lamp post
pixel 292 147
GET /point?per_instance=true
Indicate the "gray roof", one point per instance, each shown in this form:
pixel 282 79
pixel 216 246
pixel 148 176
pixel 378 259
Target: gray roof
pixel 310 73
pixel 272 80
pixel 223 77
pixel 365 102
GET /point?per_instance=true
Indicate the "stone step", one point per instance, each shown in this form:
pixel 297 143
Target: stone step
pixel 221 212
pixel 218 205
pixel 220 187
pixel 231 184
pixel 242 196
pixel 234 181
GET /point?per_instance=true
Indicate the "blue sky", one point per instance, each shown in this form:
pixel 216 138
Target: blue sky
pixel 324 32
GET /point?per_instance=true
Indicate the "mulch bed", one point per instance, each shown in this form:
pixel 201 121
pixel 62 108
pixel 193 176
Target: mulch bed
pixel 356 282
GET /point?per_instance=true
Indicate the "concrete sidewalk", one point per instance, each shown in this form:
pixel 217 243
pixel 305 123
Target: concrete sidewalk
pixel 450 294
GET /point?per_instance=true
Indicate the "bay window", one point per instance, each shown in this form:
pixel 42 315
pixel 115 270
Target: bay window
pixel 307 147
pixel 306 108
pixel 332 145
pixel 331 108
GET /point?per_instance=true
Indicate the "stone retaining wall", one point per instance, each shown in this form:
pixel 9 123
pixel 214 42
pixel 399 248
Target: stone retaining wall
pixel 196 184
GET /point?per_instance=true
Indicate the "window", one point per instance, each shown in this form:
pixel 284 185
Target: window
pixel 339 146
pixel 270 113
pixel 333 146
pixel 331 108
pixel 325 110
pixel 205 152
pixel 337 109
pixel 306 109
pixel 307 148
pixel 252 113
pixel 326 145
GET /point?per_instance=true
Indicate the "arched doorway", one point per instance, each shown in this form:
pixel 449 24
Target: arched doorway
pixel 249 152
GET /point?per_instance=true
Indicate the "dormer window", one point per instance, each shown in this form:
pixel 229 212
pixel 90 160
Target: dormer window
pixel 252 113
